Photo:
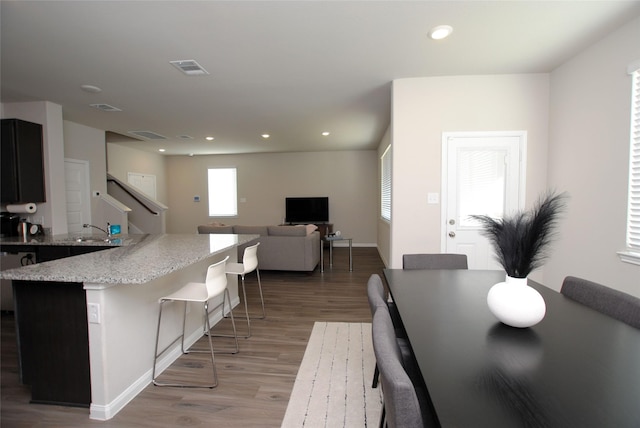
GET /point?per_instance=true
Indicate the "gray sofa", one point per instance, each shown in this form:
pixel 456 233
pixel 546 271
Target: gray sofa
pixel 294 248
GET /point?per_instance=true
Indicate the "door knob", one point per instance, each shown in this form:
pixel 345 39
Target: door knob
pixel 452 234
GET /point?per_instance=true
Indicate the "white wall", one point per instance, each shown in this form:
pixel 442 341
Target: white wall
pixel 53 213
pixel 348 178
pixel 122 160
pixel 589 157
pixel 424 108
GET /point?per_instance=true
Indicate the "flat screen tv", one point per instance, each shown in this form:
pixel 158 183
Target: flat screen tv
pixel 307 210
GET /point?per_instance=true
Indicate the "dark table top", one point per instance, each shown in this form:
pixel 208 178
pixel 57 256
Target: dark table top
pixel 576 368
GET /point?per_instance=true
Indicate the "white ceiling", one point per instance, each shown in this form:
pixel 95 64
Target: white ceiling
pixel 292 69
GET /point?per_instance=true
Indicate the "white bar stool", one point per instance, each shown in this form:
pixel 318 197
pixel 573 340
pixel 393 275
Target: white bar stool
pixel 248 265
pixel 215 284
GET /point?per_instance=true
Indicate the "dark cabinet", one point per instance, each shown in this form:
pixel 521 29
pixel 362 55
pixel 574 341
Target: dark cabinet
pixel 53 316
pixel 324 229
pixel 22 167
pixel 53 341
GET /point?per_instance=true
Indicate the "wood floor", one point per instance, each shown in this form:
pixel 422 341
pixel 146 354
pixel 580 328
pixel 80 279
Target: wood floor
pixel 255 384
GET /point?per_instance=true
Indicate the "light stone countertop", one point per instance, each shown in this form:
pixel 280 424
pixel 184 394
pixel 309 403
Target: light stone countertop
pixel 148 258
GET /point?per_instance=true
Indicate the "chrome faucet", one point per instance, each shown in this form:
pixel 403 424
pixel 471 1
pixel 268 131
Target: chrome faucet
pixel 99 228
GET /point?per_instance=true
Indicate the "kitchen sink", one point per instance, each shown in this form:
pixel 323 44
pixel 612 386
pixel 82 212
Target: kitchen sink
pixel 89 239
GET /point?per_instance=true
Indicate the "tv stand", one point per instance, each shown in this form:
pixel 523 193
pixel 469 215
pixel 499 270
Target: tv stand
pixel 324 229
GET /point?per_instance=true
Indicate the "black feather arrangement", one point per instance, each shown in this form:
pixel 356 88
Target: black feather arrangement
pixel 521 241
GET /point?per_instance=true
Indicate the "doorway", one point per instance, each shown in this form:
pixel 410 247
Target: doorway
pixel 482 173
pixel 76 173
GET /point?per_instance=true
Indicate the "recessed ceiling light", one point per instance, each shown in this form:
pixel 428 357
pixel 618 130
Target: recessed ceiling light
pixel 440 32
pixel 90 88
pixel 209 138
pixel 325 133
pixel 161 150
pixel 266 136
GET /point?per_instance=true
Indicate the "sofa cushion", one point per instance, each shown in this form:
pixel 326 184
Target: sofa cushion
pixel 250 230
pixel 300 230
pixel 207 228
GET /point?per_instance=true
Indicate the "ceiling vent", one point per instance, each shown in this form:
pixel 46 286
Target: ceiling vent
pixel 148 135
pixel 189 67
pixel 105 107
pixel 185 137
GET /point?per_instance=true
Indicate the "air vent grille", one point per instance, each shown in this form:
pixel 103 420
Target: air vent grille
pixel 105 107
pixel 189 67
pixel 185 137
pixel 148 135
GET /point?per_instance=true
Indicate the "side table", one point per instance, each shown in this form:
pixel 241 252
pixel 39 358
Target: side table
pixel 330 240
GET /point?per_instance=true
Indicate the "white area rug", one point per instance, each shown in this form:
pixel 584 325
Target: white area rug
pixel 333 385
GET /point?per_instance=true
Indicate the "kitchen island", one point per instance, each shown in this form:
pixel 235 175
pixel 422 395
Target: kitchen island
pixel 86 324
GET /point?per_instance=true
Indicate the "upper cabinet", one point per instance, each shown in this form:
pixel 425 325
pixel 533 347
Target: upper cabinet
pixel 21 168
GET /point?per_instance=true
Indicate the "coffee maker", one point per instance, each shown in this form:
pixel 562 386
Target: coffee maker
pixel 9 224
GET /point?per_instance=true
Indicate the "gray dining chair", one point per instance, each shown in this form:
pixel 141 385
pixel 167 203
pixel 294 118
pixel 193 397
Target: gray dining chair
pixel 611 302
pixel 434 261
pixel 377 297
pixel 375 293
pixel 400 407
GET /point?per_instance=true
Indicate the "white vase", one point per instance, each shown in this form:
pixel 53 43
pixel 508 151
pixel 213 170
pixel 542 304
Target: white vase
pixel 516 304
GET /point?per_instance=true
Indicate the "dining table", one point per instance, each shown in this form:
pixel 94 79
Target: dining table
pixel 575 368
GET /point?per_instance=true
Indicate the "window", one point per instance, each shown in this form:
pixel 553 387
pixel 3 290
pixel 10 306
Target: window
pixel 223 190
pixel 632 254
pixel 385 185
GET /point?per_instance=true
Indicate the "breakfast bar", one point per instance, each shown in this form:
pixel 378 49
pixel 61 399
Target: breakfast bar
pixel 86 324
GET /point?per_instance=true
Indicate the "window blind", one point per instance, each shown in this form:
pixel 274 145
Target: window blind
pixel 633 222
pixel 385 185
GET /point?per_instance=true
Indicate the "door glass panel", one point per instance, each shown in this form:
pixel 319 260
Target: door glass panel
pixel 481 184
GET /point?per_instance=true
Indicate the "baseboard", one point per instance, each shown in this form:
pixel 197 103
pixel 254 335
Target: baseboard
pixel 106 412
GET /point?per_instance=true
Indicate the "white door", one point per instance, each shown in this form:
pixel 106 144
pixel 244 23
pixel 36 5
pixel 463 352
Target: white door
pixel 76 173
pixel 483 173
